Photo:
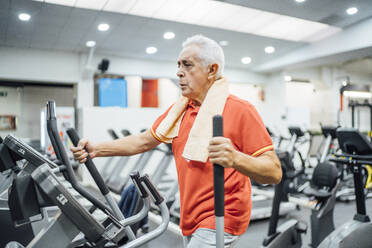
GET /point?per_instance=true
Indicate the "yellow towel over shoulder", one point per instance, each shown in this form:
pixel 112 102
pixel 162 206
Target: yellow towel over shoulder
pixel 196 147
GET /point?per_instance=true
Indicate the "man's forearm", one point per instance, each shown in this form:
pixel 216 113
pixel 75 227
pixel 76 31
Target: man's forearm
pixel 265 168
pixel 126 146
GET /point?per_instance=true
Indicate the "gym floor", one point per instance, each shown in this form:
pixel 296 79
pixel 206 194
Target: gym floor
pixel 257 230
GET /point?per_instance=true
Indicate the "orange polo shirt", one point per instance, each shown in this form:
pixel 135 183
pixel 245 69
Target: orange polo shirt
pixel 244 127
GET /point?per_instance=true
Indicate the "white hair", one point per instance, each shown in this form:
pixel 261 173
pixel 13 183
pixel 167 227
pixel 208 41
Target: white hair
pixel 210 51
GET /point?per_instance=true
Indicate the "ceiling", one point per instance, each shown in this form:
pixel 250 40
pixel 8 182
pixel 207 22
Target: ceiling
pixel 330 12
pixel 56 27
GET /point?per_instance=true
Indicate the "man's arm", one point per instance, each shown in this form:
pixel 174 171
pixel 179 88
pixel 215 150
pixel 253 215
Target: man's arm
pixel 126 146
pixel 264 168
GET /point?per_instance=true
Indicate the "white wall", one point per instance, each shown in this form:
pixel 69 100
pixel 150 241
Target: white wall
pixel 154 69
pixel 168 92
pixel 49 66
pixel 95 121
pixel 56 66
pixel 11 105
pixel 38 65
pixel 323 101
pixel 27 102
pixel 245 91
pixel 163 69
pixel 273 108
pixel 134 89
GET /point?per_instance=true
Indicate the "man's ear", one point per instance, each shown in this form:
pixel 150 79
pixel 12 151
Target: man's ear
pixel 212 71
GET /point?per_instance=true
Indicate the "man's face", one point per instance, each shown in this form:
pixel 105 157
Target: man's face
pixel 193 77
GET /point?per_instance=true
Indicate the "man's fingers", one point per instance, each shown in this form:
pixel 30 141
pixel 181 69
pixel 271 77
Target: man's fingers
pixel 218 140
pixel 82 143
pixel 79 153
pixel 219 147
pixel 83 156
pixel 75 149
pixel 217 154
pixel 214 148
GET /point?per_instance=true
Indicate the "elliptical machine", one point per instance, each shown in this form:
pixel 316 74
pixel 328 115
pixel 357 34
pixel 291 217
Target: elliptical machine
pixel 37 186
pixel 357 151
pixel 10 171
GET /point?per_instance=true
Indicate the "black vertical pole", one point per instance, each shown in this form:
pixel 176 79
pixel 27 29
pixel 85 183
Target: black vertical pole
pixel 218 185
pixel 359 190
pixel 279 190
pixel 370 119
pixel 352 115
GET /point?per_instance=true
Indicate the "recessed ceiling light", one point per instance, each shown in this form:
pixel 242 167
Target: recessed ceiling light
pixel 269 49
pixel 287 78
pixel 300 1
pixel 169 35
pixel 90 43
pixel 24 17
pixel 151 50
pixel 352 11
pixel 224 43
pixel 246 60
pixel 103 27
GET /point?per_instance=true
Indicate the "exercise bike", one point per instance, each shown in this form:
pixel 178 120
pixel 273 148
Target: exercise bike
pixel 357 151
pixel 322 188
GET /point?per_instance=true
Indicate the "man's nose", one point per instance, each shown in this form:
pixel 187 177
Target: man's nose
pixel 180 73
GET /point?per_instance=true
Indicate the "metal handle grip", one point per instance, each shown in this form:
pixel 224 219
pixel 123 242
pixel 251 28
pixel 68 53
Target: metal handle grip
pixel 74 137
pixel 62 156
pixel 137 182
pixel 153 191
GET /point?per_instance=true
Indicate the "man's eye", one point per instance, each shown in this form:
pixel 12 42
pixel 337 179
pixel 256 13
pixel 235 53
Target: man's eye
pixel 187 64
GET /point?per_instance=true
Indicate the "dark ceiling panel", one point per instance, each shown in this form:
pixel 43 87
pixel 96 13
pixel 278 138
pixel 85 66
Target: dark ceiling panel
pixel 24 28
pixel 43 43
pixel 3 26
pixel 51 37
pixel 53 26
pixel 65 45
pixel 30 7
pixel 81 18
pixel 314 10
pixel 4 4
pixel 17 40
pixel 113 19
pixel 71 34
pixel 304 10
pixel 56 11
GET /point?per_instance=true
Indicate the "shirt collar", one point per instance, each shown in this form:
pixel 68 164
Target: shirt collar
pixel 192 105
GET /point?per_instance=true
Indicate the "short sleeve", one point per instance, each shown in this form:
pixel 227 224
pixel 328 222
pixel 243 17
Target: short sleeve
pixel 157 123
pixel 251 134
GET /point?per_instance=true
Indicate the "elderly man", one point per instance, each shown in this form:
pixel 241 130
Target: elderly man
pixel 246 150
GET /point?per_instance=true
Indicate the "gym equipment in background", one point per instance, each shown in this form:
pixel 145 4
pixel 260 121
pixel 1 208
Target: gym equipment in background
pixel 357 151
